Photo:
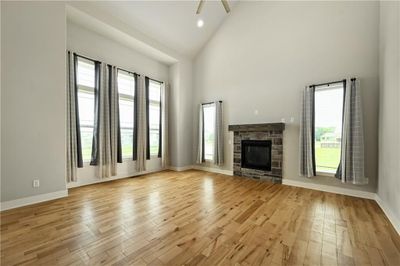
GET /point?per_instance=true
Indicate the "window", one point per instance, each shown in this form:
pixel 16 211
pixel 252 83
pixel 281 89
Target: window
pixel 328 127
pixel 126 90
pixel 154 116
pixel 85 79
pixel 209 131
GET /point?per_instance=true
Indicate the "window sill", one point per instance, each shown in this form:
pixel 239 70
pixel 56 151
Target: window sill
pixel 325 174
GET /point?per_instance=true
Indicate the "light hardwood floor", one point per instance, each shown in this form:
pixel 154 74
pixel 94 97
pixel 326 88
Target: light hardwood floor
pixel 198 218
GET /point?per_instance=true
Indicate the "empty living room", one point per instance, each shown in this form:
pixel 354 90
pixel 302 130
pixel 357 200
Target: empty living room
pixel 200 132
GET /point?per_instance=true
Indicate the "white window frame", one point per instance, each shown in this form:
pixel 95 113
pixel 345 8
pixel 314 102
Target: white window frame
pixel 158 103
pixel 325 88
pixel 133 99
pixel 88 90
pixel 204 106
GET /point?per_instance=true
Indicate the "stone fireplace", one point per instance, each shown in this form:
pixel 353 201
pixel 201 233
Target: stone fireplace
pixel 258 151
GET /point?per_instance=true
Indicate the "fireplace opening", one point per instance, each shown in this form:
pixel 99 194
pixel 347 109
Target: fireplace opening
pixel 256 154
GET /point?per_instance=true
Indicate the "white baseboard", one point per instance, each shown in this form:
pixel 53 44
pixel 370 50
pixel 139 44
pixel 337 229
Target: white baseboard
pixel 83 182
pixel 180 168
pixel 389 213
pixel 212 170
pixel 331 189
pixel 12 204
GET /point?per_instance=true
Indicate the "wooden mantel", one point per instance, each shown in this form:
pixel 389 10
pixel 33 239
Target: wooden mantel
pixel 257 127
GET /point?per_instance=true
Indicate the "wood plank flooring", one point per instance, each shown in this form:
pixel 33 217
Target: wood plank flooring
pixel 198 218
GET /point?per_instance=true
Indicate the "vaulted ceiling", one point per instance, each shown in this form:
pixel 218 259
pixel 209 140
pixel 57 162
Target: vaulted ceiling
pixel 172 23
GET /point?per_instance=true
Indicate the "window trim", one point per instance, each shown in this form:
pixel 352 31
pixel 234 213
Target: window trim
pixel 87 90
pixel 202 106
pixel 324 87
pixel 128 97
pixel 148 129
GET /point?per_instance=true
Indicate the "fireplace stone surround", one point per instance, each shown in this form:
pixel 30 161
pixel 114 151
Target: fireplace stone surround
pixel 266 131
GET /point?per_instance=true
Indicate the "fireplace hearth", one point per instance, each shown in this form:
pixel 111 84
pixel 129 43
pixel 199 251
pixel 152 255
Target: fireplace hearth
pixel 258 151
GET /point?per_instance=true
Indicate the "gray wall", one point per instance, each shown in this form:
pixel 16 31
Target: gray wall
pixel 389 111
pixel 180 115
pixel 33 98
pixel 266 52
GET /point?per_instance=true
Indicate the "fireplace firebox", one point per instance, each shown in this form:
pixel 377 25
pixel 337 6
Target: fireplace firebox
pixel 256 154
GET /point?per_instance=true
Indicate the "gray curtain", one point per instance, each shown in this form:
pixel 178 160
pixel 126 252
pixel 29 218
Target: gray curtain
pixel 135 119
pixel 147 108
pixel 74 150
pixel 164 124
pixel 307 156
pixel 115 130
pixel 141 125
pixel 101 147
pixel 96 124
pixel 219 135
pixel 351 168
pixel 200 146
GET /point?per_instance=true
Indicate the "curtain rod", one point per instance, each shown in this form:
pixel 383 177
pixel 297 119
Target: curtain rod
pixel 210 103
pixel 97 61
pixel 156 80
pixel 87 58
pixel 330 83
pixel 130 72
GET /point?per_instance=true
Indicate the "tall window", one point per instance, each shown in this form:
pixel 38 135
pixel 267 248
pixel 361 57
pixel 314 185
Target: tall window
pixel 328 127
pixel 209 131
pixel 154 117
pixel 126 90
pixel 86 90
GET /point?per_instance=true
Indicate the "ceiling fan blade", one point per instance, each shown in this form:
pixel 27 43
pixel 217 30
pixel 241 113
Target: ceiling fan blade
pixel 200 7
pixel 226 5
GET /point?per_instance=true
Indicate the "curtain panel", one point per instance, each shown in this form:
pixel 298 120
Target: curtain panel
pixel 219 135
pixel 142 125
pixel 147 108
pixel 306 139
pixel 74 151
pixel 115 130
pixel 351 168
pixel 135 119
pixel 160 138
pixel 101 148
pixel 200 146
pixel 106 145
pixel 164 124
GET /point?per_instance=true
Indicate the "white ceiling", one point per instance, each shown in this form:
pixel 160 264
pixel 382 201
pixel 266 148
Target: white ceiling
pixel 171 23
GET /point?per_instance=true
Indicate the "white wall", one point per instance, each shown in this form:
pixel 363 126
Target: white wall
pixel 33 98
pixel 389 111
pixel 86 42
pixel 266 52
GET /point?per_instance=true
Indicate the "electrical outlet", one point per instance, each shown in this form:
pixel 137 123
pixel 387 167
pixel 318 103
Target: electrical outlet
pixel 292 119
pixel 255 112
pixel 36 183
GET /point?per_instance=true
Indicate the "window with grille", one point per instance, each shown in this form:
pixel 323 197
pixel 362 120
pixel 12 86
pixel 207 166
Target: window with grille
pixel 154 116
pixel 86 90
pixel 126 90
pixel 328 127
pixel 209 131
